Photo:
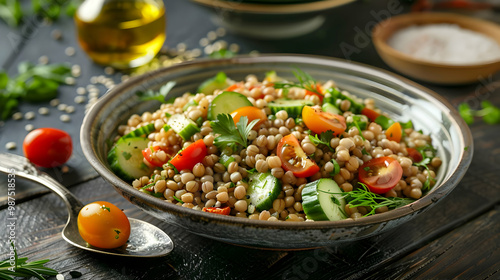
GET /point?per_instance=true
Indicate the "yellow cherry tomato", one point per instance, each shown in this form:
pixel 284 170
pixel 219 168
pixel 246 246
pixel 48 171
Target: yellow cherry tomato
pixel 318 121
pixel 252 113
pixel 103 225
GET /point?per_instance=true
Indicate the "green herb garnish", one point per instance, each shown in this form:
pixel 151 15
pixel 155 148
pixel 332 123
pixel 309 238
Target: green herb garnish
pixel 363 197
pixel 34 83
pixel 336 168
pixel 323 139
pixel 305 81
pixel 229 134
pixel 160 95
pixel 105 208
pixel 489 113
pixel 22 268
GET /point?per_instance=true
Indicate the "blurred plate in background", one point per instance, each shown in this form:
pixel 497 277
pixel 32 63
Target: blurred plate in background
pixel 272 19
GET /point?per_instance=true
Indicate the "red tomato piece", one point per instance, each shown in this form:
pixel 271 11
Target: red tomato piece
pixel 190 156
pixel 318 121
pixel 415 155
pixel 48 147
pixel 155 157
pixel 216 210
pixel 371 114
pixel 294 159
pixel 103 225
pixel 252 113
pixel 381 174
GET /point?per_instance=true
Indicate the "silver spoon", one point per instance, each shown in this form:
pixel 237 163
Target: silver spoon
pixel 145 239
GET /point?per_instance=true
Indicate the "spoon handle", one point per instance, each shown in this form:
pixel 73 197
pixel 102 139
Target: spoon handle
pixel 21 167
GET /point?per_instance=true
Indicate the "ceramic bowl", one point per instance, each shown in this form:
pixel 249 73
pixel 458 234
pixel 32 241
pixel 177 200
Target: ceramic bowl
pixel 273 21
pixel 429 71
pixel 401 98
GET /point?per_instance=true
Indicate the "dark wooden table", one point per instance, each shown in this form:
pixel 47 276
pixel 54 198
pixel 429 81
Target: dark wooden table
pixel 457 239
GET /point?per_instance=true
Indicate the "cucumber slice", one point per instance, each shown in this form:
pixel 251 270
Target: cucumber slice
pixel 142 131
pixel 322 200
pixel 263 189
pixel 220 81
pixel 226 103
pixel 183 126
pixel 330 108
pixel 292 106
pixel 126 160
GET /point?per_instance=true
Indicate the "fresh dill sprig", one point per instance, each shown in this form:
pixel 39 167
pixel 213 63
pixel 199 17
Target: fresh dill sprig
pixel 23 268
pixel 363 197
pixel 305 81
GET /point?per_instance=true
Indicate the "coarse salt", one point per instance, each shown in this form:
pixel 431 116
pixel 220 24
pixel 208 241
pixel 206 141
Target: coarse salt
pixel 446 44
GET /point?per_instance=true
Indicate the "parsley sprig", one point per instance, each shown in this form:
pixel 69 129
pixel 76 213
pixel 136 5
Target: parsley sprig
pixel 229 133
pixel 23 268
pixel 305 81
pixel 427 152
pixel 361 196
pixel 489 113
pixel 13 14
pixel 323 139
pixel 35 83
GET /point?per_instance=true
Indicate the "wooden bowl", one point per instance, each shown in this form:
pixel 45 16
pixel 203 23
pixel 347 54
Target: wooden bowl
pixel 427 71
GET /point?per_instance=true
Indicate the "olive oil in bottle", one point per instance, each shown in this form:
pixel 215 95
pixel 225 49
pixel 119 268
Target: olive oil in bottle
pixel 121 33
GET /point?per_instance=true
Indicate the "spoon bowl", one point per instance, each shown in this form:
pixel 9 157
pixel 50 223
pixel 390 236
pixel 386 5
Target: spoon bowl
pixel 145 239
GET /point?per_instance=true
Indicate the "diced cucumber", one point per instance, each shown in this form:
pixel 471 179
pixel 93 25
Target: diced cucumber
pixel 226 103
pixel 142 131
pixel 220 81
pixel 330 108
pixel 191 103
pixel 359 121
pixel 263 189
pixel 333 94
pixel 322 200
pixel 292 106
pixel 272 77
pixel 226 160
pixel 126 159
pixel 183 126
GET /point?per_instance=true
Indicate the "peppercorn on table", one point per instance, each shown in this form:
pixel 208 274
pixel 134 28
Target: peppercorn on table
pixel 457 238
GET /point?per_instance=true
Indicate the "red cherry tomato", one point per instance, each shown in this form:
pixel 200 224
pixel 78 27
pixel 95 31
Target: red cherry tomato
pixel 190 156
pixel 252 113
pixel 381 174
pixel 318 121
pixel 151 155
pixel 415 155
pixel 371 114
pixel 294 159
pixel 103 225
pixel 217 210
pixel 48 147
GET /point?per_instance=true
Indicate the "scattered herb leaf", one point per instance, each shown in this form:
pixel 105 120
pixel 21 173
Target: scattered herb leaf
pixel 229 134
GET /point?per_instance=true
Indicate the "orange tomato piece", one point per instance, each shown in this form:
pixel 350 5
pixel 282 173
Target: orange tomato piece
pixel 394 132
pixel 371 114
pixel 318 121
pixel 319 92
pixel 252 113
